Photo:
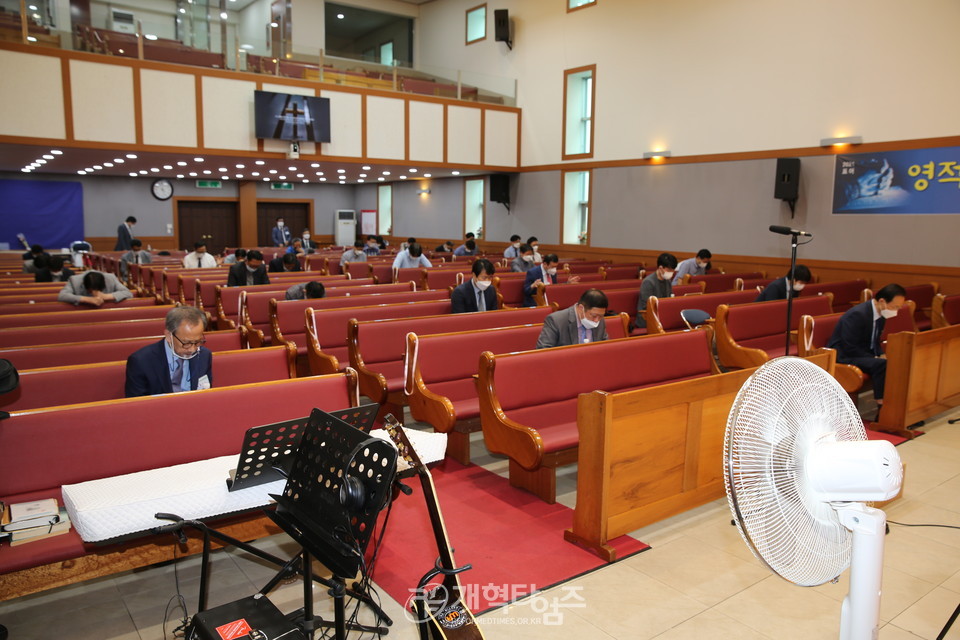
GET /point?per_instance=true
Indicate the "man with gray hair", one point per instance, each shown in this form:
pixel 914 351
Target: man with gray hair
pixel 178 362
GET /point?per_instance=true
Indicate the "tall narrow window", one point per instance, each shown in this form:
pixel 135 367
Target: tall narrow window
pixel 573 5
pixel 385 209
pixel 473 207
pixel 477 24
pixel 576 207
pixel 386 53
pixel 579 91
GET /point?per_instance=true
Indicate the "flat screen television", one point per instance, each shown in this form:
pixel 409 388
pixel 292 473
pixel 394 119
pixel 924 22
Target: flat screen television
pixel 283 116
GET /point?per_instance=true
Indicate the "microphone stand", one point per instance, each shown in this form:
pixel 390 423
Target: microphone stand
pixel 791 274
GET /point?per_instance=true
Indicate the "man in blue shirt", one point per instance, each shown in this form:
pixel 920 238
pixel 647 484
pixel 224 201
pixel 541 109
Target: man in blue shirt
pixel 696 266
pixel 411 257
pixel 513 251
pixel 178 362
pixel 468 248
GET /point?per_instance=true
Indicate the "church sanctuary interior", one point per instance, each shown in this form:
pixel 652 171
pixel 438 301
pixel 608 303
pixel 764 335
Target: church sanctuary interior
pixel 454 338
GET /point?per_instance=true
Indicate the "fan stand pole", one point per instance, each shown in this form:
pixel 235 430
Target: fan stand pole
pixel 790 274
pixel 860 613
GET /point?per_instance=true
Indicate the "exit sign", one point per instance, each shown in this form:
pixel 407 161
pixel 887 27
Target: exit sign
pixel 281 186
pixel 209 184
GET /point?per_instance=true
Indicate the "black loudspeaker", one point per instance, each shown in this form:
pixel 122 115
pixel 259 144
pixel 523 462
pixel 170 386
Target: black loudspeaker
pixel 787 186
pixel 500 188
pixel 501 25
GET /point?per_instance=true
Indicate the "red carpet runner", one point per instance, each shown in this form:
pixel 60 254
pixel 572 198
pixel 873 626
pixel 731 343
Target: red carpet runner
pixel 513 540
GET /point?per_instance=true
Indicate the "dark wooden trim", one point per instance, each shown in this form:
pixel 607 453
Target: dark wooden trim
pixel 198 90
pixel 592 68
pixel 137 107
pixel 591 3
pixel 466 24
pixel 67 98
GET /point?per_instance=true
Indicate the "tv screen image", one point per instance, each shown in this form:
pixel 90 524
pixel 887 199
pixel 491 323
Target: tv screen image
pixel 288 117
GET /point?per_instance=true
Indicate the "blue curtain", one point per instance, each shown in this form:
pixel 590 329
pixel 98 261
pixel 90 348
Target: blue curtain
pixel 47 213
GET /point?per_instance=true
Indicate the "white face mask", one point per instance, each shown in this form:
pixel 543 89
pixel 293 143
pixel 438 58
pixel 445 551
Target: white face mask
pixel 481 284
pixel 306 236
pixel 251 269
pixel 358 252
pixel 516 245
pixel 534 247
pixel 527 258
pixel 280 224
pixel 799 286
pixel 668 275
pixel 177 355
pixel 589 324
pixel 888 313
pixel 552 271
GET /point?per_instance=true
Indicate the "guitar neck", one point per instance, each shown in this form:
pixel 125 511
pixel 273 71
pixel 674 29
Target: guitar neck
pixel 436 519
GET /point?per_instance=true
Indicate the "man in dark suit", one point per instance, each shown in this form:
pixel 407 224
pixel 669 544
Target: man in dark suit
pixel 579 324
pixel 55 271
pixel 545 272
pixel 777 290
pixel 125 235
pixel 476 294
pixel 251 271
pixel 857 334
pixel 178 362
pixel 286 262
pixel 280 236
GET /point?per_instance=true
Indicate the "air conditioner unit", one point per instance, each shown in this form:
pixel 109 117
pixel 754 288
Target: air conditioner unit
pixel 123 21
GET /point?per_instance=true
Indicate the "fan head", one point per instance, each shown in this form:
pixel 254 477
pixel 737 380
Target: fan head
pixel 786 410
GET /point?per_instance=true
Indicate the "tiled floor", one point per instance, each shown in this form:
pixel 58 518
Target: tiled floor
pixel 699 580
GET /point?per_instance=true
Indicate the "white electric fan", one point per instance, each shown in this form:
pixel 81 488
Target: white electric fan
pixel 798 467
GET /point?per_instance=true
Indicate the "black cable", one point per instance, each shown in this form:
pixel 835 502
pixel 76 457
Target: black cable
pixel 179 631
pixel 905 524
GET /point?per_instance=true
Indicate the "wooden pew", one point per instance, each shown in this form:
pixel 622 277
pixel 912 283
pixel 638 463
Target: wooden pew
pixel 923 377
pixel 535 425
pixel 812 336
pixel 217 421
pixel 46 308
pixel 846 293
pixel 945 311
pixel 664 315
pixel 566 295
pixel 90 351
pixel 119 312
pixel 106 380
pixel 716 282
pixel 620 271
pixel 922 295
pixel 750 334
pixel 228 298
pixel 649 454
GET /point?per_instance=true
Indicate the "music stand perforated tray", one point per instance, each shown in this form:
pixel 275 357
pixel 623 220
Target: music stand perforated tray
pixel 271 446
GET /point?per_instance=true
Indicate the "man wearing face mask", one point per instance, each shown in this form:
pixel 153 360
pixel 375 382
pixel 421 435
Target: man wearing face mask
pixel 857 334
pixel 535 245
pixel 579 324
pixel 523 262
pixel 309 246
pixel 658 283
pixel 695 266
pixel 373 247
pixel 178 362
pixel 280 236
pixel 356 254
pixel 249 272
pixel 777 290
pixel 545 272
pixel 476 294
pixel 513 251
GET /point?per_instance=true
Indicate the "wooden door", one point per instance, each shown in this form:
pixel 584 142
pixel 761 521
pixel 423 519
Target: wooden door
pixel 211 221
pixel 296 215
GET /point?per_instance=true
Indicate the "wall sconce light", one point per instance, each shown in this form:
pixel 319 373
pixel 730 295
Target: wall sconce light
pixel 834 142
pixel 423 192
pixel 653 155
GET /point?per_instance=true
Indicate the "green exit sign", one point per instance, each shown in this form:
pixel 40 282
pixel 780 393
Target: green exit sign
pixel 281 186
pixel 209 184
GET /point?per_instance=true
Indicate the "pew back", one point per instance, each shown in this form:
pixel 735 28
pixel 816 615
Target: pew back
pixel 86 316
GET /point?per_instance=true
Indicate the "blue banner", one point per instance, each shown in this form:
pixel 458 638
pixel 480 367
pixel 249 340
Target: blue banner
pixel 47 212
pixel 909 181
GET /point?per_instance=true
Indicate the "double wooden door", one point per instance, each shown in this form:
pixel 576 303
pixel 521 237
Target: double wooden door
pixel 212 221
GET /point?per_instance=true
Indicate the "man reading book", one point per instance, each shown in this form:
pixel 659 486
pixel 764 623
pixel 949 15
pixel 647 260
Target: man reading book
pixel 178 362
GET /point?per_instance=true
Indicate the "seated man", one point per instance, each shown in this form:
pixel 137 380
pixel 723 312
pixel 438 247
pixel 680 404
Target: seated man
pixel 136 255
pixel 579 324
pixel 36 250
pixel 658 283
pixel 857 334
pixel 446 247
pixel 249 272
pixel 54 272
pixel 513 251
pixel 93 288
pixel 238 256
pixel 357 254
pixel 199 258
pixel 373 247
pixel 468 248
pixel 535 245
pixel 306 291
pixel 695 266
pixel 411 257
pixel 476 294
pixel 296 247
pixel 286 262
pixel 159 367
pixel 545 272
pixel 524 261
pixel 777 290
pixel 309 246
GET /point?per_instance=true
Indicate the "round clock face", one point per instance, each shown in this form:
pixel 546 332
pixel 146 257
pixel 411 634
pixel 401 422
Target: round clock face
pixel 162 189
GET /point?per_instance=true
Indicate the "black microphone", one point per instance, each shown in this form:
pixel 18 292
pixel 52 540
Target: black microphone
pixel 787 231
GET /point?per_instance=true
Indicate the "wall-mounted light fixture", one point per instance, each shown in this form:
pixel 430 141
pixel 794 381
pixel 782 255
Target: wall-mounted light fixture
pixel 835 142
pixel 423 192
pixel 653 155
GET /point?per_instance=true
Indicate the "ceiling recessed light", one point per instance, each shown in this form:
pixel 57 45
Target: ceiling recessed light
pixel 96 166
pixel 266 179
pixel 167 167
pixel 240 166
pixel 33 7
pixel 179 176
pixel 239 176
pixel 413 170
pixel 143 172
pixel 260 162
pixel 222 169
pixel 192 174
pixel 255 174
pixel 428 175
pixel 454 173
pixel 381 179
pixel 195 159
pixel 181 164
pixel 81 172
pixel 291 168
pixel 323 179
pixel 119 160
pixel 48 156
pixel 299 175
pixel 386 173
pixel 149 36
pixel 224 178
pixel 40 161
pixel 274 25
pixel 305 180
pixel 341 170
pixel 363 175
pixel 31 39
pixel 207 172
pixel 319 173
pixel 133 174
pixel 223 14
pixel 365 167
pixel 132 156
pixel 339 16
pixel 108 164
pixel 56 152
pixel 154 170
pixel 360 180
pixel 182 10
pixel 403 177
pixel 314 165
pixel 272 171
pixel 343 182
pixel 281 177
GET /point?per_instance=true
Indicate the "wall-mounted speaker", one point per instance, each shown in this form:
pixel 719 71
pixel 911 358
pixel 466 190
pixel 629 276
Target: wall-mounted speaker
pixel 501 26
pixel 500 188
pixel 787 186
